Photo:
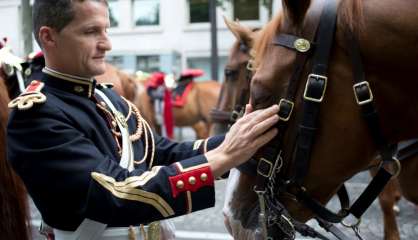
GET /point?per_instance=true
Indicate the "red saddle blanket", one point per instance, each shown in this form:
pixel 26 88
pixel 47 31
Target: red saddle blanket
pixel 180 93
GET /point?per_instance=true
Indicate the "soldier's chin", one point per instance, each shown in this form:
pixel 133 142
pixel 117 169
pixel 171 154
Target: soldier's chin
pixel 99 69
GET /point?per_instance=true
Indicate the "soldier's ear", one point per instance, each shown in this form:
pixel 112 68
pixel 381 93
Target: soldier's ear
pixel 47 36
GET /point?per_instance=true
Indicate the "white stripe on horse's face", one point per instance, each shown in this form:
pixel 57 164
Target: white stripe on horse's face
pixel 234 226
pixel 229 189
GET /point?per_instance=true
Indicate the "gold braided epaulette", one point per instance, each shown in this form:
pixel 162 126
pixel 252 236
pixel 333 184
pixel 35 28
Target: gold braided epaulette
pixel 30 97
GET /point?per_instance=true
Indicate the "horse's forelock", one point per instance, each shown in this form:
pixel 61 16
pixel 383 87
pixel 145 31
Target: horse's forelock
pixel 264 37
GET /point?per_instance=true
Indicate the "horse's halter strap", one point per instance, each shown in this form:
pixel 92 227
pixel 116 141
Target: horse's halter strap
pixel 270 156
pixel 271 162
pixel 227 117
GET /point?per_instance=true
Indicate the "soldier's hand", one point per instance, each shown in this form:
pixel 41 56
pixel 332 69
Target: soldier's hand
pixel 244 138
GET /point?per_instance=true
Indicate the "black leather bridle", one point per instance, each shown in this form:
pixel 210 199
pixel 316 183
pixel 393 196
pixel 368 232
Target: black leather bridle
pixel 274 219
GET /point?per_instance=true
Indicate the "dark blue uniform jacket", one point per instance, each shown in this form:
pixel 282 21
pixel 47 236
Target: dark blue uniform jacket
pixel 68 158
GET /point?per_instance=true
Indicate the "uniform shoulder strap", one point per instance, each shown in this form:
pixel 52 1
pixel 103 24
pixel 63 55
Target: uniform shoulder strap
pixel 31 96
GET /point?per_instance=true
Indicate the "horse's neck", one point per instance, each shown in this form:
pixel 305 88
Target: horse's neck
pixel 4 99
pixel 390 50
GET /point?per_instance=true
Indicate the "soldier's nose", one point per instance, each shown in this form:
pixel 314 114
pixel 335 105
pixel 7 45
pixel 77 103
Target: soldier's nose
pixel 105 45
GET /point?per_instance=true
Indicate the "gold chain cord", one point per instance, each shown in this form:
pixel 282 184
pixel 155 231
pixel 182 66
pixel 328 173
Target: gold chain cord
pixel 132 109
pixel 143 129
pixel 147 132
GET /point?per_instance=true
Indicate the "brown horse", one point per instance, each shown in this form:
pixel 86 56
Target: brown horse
pixel 235 87
pixel 237 75
pixel 14 213
pixel 343 145
pixel 195 113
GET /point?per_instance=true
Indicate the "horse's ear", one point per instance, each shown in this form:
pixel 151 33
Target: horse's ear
pixel 296 9
pixel 232 27
pixel 241 32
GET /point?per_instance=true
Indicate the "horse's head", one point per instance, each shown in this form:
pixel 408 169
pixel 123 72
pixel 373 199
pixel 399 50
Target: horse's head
pixel 237 76
pixel 343 144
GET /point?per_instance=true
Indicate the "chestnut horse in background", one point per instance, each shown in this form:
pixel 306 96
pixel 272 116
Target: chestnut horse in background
pixel 343 144
pixel 14 210
pixel 195 113
pixel 235 90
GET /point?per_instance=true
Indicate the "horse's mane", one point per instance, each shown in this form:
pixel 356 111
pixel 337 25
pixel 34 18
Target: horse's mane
pixel 14 217
pixel 350 15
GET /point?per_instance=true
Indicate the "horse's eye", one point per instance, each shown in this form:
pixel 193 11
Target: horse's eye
pixel 230 73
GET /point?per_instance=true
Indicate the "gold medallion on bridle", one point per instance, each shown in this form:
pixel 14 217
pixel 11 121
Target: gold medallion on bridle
pixel 302 45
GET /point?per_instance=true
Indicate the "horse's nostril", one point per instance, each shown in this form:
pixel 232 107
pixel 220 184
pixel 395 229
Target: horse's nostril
pixel 261 97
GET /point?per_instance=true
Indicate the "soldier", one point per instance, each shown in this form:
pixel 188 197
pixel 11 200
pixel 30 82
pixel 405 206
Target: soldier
pixel 88 159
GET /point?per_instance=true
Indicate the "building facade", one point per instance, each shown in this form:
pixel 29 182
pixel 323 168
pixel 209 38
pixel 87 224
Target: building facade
pixel 159 35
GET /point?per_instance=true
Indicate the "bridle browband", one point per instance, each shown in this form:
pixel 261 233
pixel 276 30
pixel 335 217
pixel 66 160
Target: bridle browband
pixel 229 117
pixel 274 219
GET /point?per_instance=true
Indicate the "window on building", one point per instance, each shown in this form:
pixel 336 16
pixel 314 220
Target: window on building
pixel 114 10
pixel 199 11
pixel 150 63
pixel 146 12
pixel 204 64
pixel 246 9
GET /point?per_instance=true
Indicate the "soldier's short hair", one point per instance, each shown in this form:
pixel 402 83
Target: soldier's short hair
pixel 53 13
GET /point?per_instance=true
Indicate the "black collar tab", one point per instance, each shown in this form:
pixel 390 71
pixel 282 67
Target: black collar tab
pixel 78 85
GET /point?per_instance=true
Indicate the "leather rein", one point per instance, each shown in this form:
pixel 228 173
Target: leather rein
pixel 273 218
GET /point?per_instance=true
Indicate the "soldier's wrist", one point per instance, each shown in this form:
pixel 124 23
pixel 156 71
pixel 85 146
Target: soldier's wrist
pixel 218 162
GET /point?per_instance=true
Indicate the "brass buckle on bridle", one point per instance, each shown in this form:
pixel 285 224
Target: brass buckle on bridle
pixel 312 79
pixel 285 109
pixel 266 163
pixel 358 89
